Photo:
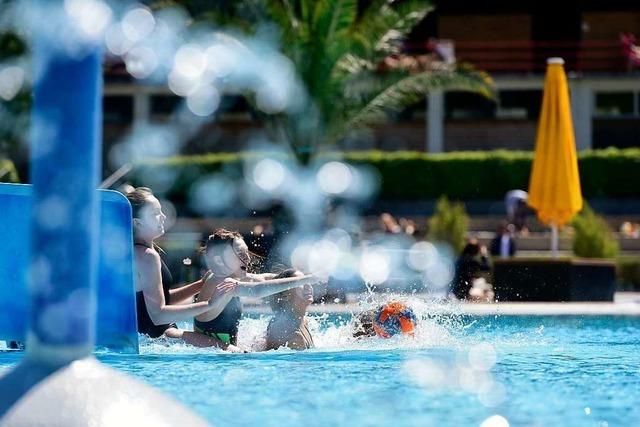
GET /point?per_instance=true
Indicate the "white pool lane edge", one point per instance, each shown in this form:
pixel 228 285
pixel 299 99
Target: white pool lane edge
pixel 489 309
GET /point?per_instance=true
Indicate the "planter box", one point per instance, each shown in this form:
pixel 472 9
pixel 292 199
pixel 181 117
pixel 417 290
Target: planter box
pixel 548 279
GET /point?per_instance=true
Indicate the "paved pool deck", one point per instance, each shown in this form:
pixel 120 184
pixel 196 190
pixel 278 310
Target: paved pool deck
pixel 625 304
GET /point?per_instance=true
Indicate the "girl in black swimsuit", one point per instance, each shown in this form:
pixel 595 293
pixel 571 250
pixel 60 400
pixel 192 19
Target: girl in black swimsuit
pixel 158 305
pixel 227 256
pixel 145 324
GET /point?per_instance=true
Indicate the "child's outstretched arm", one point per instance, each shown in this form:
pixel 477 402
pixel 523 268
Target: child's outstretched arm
pixel 272 286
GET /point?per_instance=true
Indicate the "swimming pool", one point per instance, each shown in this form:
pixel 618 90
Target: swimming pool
pixel 460 370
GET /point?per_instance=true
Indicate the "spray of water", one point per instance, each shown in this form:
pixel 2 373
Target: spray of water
pixel 438 327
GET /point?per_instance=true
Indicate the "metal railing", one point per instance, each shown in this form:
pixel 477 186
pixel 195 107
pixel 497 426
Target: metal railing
pixel 603 56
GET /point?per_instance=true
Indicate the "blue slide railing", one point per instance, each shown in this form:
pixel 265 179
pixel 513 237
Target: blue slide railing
pixel 116 315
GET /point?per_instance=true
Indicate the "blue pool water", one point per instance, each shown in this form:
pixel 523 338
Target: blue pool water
pixel 532 371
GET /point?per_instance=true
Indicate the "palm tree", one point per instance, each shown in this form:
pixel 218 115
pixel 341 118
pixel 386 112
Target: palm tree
pixel 338 48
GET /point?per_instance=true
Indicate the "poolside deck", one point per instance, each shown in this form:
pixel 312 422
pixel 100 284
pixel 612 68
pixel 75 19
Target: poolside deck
pixel 625 304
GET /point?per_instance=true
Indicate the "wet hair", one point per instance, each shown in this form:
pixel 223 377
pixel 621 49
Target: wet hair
pixel 278 301
pixel 138 197
pixel 363 324
pixel 219 237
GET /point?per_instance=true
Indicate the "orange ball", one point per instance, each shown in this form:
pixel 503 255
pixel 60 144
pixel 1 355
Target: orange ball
pixel 394 318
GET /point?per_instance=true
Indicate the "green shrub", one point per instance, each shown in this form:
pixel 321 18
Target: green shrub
pixel 629 273
pixel 462 175
pixel 592 237
pixel 489 175
pixel 420 176
pixel 449 224
pixel 8 171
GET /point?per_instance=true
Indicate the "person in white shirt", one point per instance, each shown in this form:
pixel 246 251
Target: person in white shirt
pixel 517 209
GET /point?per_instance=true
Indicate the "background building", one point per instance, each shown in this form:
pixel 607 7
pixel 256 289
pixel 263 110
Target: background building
pixel 510 40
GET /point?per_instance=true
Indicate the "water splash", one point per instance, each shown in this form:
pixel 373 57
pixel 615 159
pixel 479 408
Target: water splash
pixel 442 325
pixel 334 332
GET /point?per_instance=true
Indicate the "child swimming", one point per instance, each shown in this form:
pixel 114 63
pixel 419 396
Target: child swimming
pixel 289 326
pixel 384 321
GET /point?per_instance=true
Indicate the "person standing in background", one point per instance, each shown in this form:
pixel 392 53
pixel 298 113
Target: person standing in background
pixel 517 209
pixel 472 262
pixel 503 245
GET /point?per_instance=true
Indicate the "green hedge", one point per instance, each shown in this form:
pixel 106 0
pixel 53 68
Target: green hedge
pixel 629 273
pixel 465 175
pixel 405 175
pixel 592 236
pixel 8 172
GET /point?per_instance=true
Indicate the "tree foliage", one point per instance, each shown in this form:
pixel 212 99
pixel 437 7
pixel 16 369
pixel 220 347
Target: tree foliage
pixel 592 236
pixel 449 224
pixel 338 47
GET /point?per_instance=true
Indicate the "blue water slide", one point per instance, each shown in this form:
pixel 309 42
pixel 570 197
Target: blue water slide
pixel 116 315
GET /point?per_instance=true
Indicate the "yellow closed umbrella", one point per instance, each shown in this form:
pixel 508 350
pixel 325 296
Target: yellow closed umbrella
pixel 554 186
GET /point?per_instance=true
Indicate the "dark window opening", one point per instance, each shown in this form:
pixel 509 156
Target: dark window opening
pixel 415 112
pixel 164 105
pixel 117 109
pixel 520 104
pixel 465 105
pixel 615 104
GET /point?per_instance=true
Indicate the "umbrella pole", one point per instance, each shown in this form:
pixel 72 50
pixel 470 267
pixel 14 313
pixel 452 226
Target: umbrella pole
pixel 554 240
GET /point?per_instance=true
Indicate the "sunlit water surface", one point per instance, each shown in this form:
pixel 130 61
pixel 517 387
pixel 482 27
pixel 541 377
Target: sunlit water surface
pixel 458 370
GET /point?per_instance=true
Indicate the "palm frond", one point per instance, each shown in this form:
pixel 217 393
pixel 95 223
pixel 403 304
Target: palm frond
pixel 331 17
pixel 306 7
pixel 383 27
pixel 283 13
pixel 339 50
pixel 330 21
pixel 351 65
pixel 404 92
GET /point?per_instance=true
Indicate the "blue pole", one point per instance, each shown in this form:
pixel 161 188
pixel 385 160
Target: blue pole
pixel 62 274
pixel 65 158
pixel 66 127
